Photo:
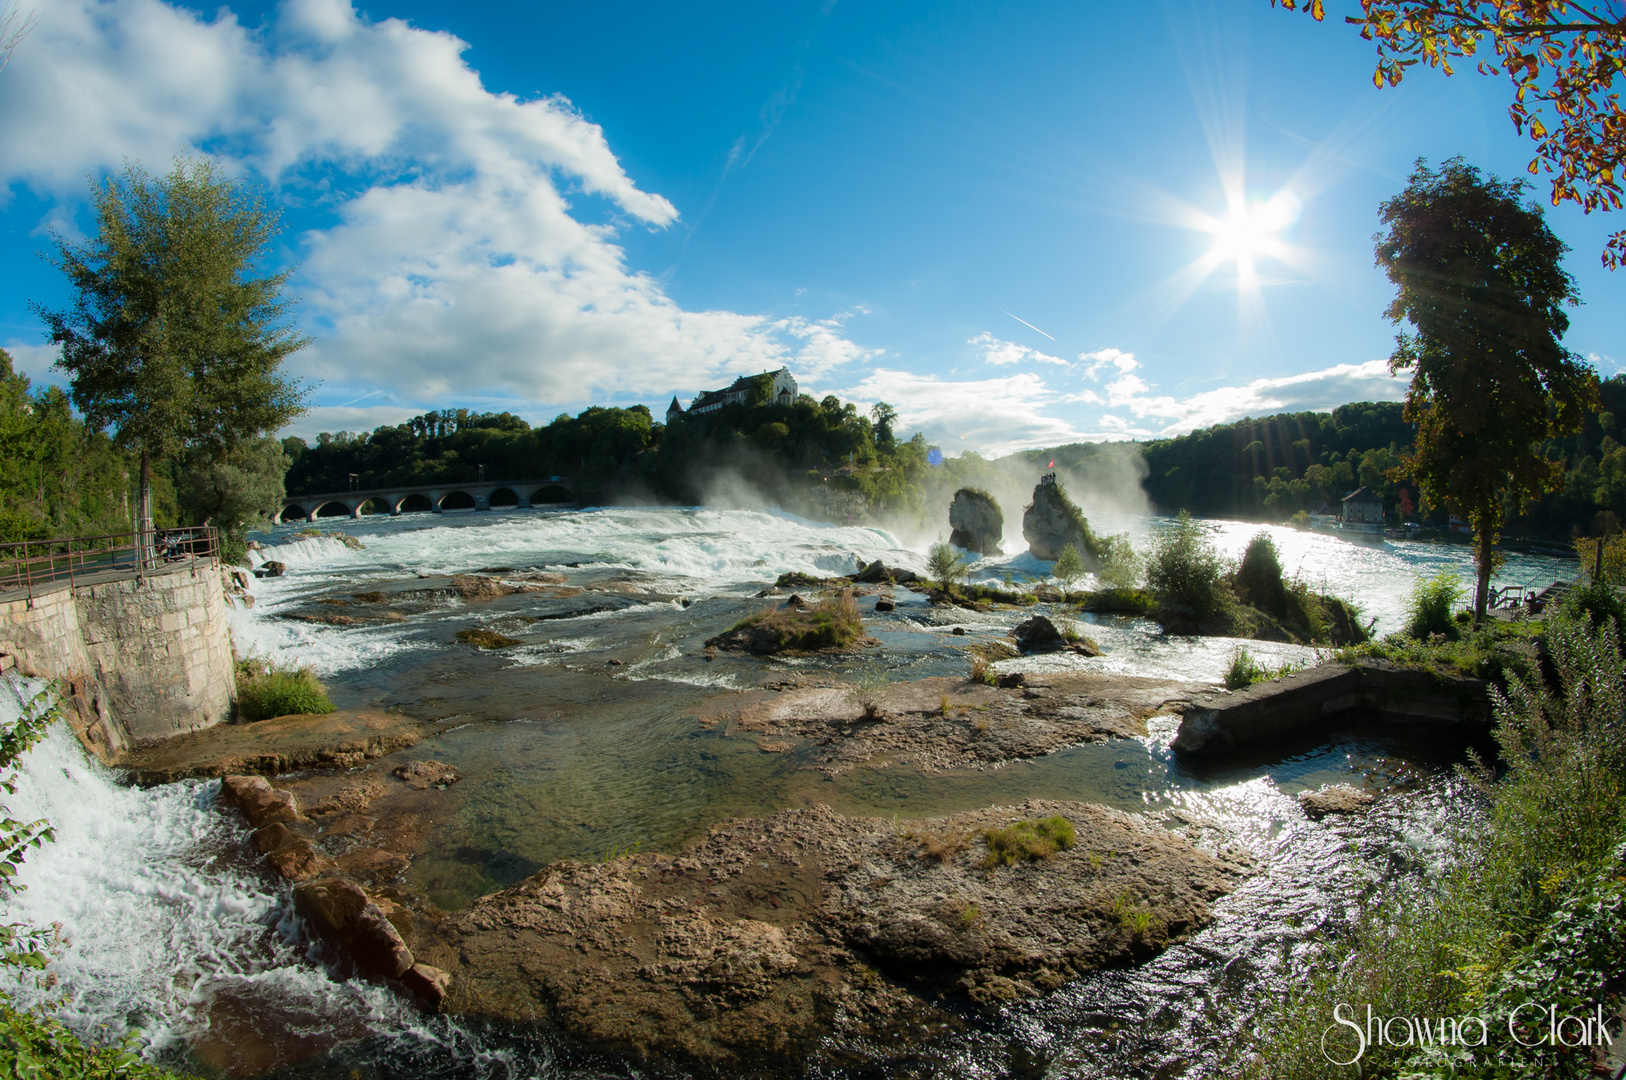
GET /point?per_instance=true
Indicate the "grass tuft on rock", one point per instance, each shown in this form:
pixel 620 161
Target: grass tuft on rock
pixel 833 623
pixel 1028 841
pixel 1245 670
pixel 487 639
pixel 266 692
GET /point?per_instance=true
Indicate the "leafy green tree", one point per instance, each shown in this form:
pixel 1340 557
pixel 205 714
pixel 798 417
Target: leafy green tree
pixel 946 563
pixel 237 490
pixel 1478 277
pixel 174 339
pixel 1068 569
pixel 1121 565
pixel 1186 573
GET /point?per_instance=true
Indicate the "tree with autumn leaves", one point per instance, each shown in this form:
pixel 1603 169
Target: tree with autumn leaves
pixel 1479 279
pixel 1558 54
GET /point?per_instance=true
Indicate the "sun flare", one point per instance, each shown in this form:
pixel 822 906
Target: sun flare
pixel 1248 231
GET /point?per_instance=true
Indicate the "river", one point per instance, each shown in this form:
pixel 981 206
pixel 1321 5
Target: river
pixel 176 932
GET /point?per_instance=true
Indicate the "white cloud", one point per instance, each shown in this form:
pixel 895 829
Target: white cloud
pixel 1101 359
pixel 998 352
pixel 1312 391
pixel 991 416
pixel 458 264
pixel 35 361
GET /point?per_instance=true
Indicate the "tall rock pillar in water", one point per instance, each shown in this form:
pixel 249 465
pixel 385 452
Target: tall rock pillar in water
pixel 1052 522
pixel 977 522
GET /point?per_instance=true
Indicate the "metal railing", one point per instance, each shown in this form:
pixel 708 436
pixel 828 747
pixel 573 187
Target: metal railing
pixel 31 564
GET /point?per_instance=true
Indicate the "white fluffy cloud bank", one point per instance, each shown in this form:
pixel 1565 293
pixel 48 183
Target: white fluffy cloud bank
pixel 458 262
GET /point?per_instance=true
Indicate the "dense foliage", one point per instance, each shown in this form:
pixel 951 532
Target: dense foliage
pixel 1528 910
pixel 57 477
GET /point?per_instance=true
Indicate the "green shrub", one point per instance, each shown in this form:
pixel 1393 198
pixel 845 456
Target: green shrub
pixel 1028 840
pixel 1121 565
pixel 1595 601
pixel 1433 600
pixel 280 692
pixel 1185 573
pixel 1120 601
pixel 1530 906
pixel 946 563
pixel 1245 671
pixel 42 1048
pixel 1259 579
pixel 1068 569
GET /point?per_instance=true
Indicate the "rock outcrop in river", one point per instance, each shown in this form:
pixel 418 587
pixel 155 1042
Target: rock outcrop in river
pixel 769 933
pixel 976 521
pixel 1052 522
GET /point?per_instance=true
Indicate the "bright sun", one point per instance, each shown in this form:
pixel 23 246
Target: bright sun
pixel 1252 230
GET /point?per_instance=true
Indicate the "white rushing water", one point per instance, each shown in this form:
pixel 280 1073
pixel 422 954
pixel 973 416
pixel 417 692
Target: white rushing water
pixel 161 913
pixel 698 552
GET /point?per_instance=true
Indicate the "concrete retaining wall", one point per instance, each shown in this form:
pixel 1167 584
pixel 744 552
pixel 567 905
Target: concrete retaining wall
pixel 143 660
pixel 1330 696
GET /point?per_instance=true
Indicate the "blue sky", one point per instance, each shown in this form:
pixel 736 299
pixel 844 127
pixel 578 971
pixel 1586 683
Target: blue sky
pixel 989 215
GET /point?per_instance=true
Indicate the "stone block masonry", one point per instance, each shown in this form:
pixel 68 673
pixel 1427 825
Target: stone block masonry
pixel 143 660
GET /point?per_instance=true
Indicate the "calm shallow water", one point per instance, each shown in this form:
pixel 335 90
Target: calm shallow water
pixel 567 756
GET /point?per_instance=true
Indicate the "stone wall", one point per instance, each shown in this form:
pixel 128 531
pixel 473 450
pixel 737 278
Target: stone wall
pixel 143 660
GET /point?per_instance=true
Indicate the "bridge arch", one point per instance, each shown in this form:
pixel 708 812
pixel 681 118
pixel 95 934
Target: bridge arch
pixel 457 500
pixel 331 508
pixel 378 504
pixel 414 503
pixel 291 512
pixel 501 497
pixel 552 494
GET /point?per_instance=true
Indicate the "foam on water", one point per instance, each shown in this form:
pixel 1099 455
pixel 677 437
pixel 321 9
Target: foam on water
pixel 158 916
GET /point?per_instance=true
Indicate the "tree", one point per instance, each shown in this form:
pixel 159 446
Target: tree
pixel 173 340
pixel 237 489
pixel 1555 52
pixel 885 416
pixel 14 26
pixel 1068 569
pixel 946 563
pixel 1477 276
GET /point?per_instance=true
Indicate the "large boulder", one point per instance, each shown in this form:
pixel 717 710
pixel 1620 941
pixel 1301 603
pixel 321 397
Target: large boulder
pixel 345 915
pixel 1052 522
pixel 976 522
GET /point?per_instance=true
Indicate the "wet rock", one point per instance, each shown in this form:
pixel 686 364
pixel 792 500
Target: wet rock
pixel 374 597
pixel 476 587
pixel 798 580
pixel 374 866
pixel 351 799
pixel 885 605
pixel 1012 680
pixel 482 638
pixel 796 601
pixel 1052 522
pixel 260 802
pixel 290 854
pixel 958 631
pixel 427 984
pixel 764 934
pixel 423 775
pixel 976 521
pixel 878 573
pixel 1048 594
pixel 283 744
pixel 1335 799
pixel 1038 634
pixel 341 912
pixel 270 568
pixel 613 662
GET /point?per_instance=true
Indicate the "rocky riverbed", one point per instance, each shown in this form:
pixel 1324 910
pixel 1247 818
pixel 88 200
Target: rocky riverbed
pixel 767 934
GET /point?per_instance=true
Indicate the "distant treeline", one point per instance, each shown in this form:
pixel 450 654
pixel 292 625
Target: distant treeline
pixel 825 457
pixel 1271 468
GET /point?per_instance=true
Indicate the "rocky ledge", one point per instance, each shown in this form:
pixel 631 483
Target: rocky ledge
pixel 943 723
pixel 771 933
pixel 337 740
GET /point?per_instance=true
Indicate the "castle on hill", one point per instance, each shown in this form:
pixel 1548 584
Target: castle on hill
pixel 781 391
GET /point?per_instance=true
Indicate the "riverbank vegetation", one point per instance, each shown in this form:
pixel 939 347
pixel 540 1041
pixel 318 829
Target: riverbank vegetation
pixel 267 691
pixel 1526 911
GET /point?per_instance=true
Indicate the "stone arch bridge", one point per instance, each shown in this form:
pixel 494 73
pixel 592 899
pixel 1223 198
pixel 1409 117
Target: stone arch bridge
pixel 432 498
